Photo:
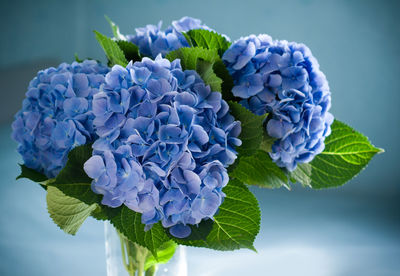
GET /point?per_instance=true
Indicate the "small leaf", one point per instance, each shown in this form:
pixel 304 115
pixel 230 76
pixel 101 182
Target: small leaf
pixel 205 70
pixel 164 253
pixel 252 129
pixel 111 49
pixel 237 223
pixel 219 78
pixel 131 51
pixel 67 212
pixel 208 40
pixel 129 224
pixel 346 153
pixel 115 29
pixel 227 81
pixel 73 181
pixel 199 59
pixel 31 174
pixel 302 174
pixel 260 170
pixel 77 59
pixel 190 56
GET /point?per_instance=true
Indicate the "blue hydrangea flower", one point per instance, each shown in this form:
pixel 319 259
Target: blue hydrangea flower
pixel 283 78
pixel 152 41
pixel 165 140
pixel 56 114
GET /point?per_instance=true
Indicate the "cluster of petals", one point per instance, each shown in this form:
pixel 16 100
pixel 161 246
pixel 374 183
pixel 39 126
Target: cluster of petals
pixel 283 79
pixel 56 114
pixel 153 41
pixel 165 140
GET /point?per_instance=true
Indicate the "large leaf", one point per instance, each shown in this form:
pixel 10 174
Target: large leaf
pixel 346 153
pixel 114 54
pixel 237 223
pixel 67 212
pixel 252 129
pixel 259 170
pixel 207 39
pixel 129 224
pixel 73 181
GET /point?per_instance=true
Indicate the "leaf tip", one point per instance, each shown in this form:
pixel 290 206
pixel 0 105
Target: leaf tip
pixel 252 248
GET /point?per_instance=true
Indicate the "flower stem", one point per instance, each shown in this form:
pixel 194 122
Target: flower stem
pixel 134 258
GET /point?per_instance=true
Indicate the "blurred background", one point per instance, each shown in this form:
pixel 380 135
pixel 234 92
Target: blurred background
pixel 352 230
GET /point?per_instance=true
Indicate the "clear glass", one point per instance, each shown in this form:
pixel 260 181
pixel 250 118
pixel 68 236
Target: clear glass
pixel 118 257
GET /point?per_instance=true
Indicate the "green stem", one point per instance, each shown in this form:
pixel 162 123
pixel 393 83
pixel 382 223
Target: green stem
pixel 134 258
pixel 123 252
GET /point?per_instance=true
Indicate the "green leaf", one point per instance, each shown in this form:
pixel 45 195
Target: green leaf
pixel 111 49
pixel 67 212
pixel 219 78
pixel 77 59
pixel 199 59
pixel 252 129
pixel 260 170
pixel 164 253
pixel 205 70
pixel 208 40
pixel 237 223
pixel 73 181
pixel 115 29
pixel 190 56
pixel 227 81
pixel 267 142
pixel 302 174
pixel 346 153
pixel 211 40
pixel 131 51
pixel 31 174
pixel 129 224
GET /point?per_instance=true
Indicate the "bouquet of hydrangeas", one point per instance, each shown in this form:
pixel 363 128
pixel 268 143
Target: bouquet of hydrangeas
pixel 163 140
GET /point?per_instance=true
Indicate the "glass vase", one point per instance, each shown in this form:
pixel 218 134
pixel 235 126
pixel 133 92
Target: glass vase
pixel 126 258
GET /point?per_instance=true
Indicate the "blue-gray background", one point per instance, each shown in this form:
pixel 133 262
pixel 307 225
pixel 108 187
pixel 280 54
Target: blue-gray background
pixel 353 230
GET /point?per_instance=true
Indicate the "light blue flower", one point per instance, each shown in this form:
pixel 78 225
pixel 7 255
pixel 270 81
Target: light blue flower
pixel 283 79
pixel 152 41
pixel 167 140
pixel 56 115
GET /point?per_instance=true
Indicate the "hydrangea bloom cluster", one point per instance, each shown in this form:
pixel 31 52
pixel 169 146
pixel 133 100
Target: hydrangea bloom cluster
pixel 56 114
pixel 165 140
pixel 152 41
pixel 283 78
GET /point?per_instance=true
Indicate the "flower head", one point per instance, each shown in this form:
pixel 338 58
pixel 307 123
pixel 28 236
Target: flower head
pixel 283 78
pixel 56 114
pixel 165 140
pixel 152 41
